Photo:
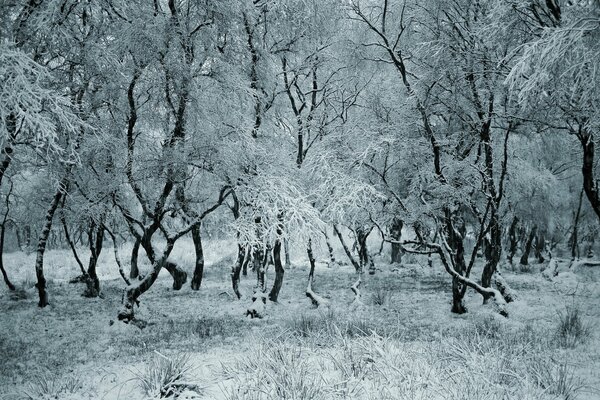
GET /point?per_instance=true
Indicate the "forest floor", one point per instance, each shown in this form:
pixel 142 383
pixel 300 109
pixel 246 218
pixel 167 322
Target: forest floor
pixel 402 343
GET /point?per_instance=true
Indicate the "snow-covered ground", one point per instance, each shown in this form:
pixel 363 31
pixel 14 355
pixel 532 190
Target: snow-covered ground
pixel 403 343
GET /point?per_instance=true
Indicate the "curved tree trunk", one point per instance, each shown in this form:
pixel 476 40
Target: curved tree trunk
pixel 71 244
pixel 236 270
pixel 315 299
pixel 41 248
pixel 199 267
pixel 131 294
pixel 96 240
pixel 356 264
pixel 525 257
pixel 134 272
pixel 279 272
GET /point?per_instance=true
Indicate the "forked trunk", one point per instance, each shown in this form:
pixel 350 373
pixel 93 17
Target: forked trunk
pixel 131 293
pixel 525 257
pixel 493 251
pixel 259 297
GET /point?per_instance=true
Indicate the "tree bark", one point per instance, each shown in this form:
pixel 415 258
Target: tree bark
pixel 540 244
pixel 525 257
pixel 41 248
pixel 96 240
pixel 134 272
pixel 356 265
pixel 236 270
pixel 455 236
pixel 589 183
pixel 11 287
pixel 279 272
pixel 199 267
pixel 574 236
pixel 131 294
pixel 396 235
pixel 315 299
pixel 286 245
pixel 71 243
pixel 513 239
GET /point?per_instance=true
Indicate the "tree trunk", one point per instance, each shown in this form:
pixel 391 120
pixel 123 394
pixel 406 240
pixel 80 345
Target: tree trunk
pixel 455 236
pixel 493 250
pixel 329 249
pixel 396 235
pixel 288 262
pixel 71 244
pixel 131 294
pixel 589 183
pixel 525 257
pixel 315 299
pixel 574 236
pixel 356 265
pixel 259 297
pixel 134 272
pixel 4 274
pixel 540 245
pixel 513 238
pixel 96 240
pixel 199 267
pixel 41 248
pixel 235 271
pixel 279 272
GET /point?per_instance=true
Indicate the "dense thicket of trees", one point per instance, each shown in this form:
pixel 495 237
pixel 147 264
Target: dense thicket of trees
pixel 448 128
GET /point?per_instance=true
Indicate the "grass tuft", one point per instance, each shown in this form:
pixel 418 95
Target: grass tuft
pixel 571 329
pixel 166 377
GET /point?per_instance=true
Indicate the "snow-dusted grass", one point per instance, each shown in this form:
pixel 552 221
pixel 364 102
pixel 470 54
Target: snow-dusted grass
pixel 402 343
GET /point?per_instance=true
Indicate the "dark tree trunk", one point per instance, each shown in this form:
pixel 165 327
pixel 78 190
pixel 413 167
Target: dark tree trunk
pixel 41 248
pixel 4 274
pixel 525 257
pixel 259 297
pixel 236 270
pixel 279 271
pixel 246 262
pixel 396 235
pixel 315 299
pixel 455 233
pixel 493 250
pixel 2 232
pixel 19 238
pixel 356 264
pixel 63 220
pixel 513 239
pixel 589 183
pixel 574 236
pixel 363 250
pixel 96 240
pixel 199 267
pixel 540 245
pixel 131 294
pixel 134 272
pixel 329 249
